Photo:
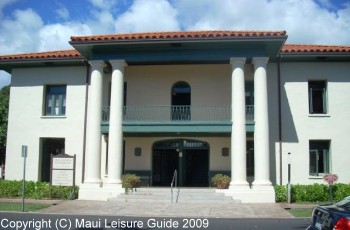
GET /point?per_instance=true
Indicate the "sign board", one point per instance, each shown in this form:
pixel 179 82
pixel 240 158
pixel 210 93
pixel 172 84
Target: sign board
pixel 63 170
pixel 62 177
pixel 62 163
pixel 330 178
pixel 24 151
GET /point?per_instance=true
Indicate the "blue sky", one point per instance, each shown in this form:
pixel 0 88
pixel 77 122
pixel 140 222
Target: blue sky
pixel 42 25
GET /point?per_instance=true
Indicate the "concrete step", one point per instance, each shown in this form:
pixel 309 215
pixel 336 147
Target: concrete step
pixel 186 195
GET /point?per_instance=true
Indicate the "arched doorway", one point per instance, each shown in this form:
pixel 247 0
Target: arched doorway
pixel 181 101
pixel 189 157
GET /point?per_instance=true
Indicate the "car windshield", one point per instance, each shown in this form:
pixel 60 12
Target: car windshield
pixel 345 203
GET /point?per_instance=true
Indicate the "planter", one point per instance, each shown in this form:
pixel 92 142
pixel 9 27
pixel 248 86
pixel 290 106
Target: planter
pixel 222 185
pixel 221 181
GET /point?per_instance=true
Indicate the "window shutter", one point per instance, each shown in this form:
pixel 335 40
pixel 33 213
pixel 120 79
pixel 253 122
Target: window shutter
pixel 324 100
pixel 326 160
pixel 313 164
pixel 310 102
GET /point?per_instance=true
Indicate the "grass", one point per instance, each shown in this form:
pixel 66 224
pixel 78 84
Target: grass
pixel 300 212
pixel 17 207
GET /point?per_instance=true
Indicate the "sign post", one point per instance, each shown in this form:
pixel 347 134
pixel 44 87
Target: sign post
pixel 24 156
pixel 330 178
pixel 289 188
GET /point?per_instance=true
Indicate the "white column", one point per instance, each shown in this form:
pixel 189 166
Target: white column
pixel 94 116
pixel 238 134
pixel 261 117
pixel 115 138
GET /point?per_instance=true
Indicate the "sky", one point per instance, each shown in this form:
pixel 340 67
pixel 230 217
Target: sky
pixel 44 25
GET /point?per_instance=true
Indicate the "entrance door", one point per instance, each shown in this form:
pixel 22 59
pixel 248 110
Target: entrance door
pixel 49 146
pixel 189 157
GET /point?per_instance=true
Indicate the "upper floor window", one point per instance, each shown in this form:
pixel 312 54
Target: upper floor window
pixel 317 97
pixel 181 101
pixel 55 100
pixel 319 157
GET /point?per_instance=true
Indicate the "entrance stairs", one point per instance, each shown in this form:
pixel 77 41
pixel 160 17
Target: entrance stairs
pixel 185 195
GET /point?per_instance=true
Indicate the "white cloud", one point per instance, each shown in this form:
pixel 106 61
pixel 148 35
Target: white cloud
pixel 102 22
pixel 63 13
pixel 20 33
pixel 4 3
pixel 148 15
pixel 305 21
pixel 104 4
pixel 57 36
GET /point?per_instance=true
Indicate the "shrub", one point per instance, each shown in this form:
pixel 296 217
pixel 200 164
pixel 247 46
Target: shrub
pixel 36 190
pixel 281 193
pixel 340 191
pixel 312 193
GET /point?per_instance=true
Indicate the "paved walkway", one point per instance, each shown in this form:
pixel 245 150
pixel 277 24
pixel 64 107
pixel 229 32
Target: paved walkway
pixel 112 208
pixel 115 208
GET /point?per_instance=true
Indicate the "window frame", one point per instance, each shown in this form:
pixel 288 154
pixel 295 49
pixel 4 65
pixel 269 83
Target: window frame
pixel 312 87
pixel 50 111
pixel 322 151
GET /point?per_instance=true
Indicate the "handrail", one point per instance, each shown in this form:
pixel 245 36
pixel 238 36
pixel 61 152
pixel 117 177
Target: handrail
pixel 174 180
pixel 179 113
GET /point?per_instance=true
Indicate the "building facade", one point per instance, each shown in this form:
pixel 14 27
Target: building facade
pixel 242 103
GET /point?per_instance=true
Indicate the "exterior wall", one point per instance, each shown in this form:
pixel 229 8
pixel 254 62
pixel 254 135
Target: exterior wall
pixel 151 85
pixel 144 162
pixel 210 85
pixel 299 126
pixel 27 124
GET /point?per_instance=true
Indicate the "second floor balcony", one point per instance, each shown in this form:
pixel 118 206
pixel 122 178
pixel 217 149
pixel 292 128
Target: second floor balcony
pixel 179 119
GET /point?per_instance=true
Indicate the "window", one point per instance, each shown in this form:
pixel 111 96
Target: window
pixel 181 101
pixel 319 157
pixel 249 93
pixel 55 101
pixel 317 97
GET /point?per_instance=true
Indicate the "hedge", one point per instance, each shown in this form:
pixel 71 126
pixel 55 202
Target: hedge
pixel 312 193
pixel 37 190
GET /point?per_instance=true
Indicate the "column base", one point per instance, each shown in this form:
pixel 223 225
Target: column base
pixel 262 183
pixel 257 194
pixel 239 184
pixel 113 182
pixel 94 192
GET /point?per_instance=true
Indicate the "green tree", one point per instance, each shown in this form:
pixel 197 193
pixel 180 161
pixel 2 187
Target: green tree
pixel 4 107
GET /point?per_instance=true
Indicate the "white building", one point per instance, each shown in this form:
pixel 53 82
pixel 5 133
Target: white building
pixel 201 102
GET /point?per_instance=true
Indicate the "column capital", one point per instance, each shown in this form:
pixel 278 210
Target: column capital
pixel 118 63
pixel 260 61
pixel 237 60
pixel 97 64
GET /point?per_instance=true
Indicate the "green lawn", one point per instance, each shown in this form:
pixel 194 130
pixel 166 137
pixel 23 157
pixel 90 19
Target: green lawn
pixel 300 212
pixel 7 206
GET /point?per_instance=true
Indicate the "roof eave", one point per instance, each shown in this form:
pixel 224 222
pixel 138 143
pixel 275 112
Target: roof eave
pixel 315 54
pixel 8 65
pixel 186 40
pixel 35 60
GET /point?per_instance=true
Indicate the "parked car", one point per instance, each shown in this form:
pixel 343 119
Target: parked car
pixel 331 216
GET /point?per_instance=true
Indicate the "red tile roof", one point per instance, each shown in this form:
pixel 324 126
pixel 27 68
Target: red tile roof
pixel 72 54
pixel 177 35
pixel 61 54
pixel 299 48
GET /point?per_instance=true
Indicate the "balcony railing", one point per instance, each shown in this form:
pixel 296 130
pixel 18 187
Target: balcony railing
pixel 165 113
